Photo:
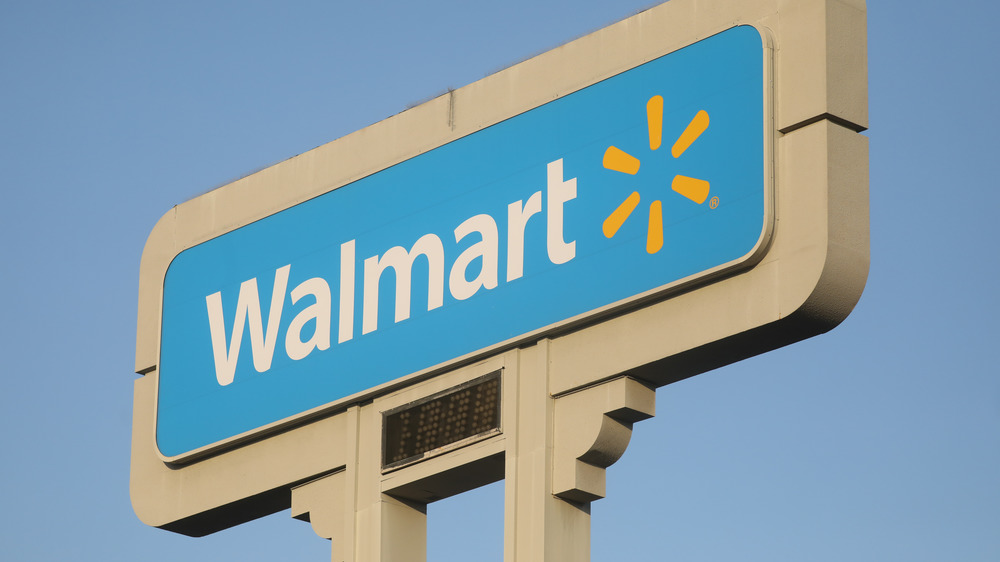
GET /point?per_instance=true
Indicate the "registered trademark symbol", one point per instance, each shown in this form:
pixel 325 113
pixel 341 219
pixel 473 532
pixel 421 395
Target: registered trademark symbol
pixel 714 203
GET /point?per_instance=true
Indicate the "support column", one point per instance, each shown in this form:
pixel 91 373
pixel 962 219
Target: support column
pixel 349 507
pixel 388 529
pixel 538 526
pixel 557 453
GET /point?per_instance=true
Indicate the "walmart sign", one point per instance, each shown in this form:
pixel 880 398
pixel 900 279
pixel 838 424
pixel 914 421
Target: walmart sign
pixel 647 180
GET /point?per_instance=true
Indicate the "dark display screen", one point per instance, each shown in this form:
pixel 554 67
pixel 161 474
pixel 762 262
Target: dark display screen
pixel 414 430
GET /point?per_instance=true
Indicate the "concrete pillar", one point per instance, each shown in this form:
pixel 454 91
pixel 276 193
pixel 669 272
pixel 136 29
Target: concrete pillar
pixel 538 526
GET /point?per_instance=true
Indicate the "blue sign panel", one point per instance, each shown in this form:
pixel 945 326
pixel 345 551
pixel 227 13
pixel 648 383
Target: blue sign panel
pixel 648 179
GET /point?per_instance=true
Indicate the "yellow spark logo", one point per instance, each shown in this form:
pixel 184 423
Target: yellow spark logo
pixel 620 161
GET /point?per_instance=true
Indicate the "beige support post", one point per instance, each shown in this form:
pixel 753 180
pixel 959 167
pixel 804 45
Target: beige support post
pixel 538 525
pixel 402 533
pixel 388 529
pixel 350 508
pixel 557 450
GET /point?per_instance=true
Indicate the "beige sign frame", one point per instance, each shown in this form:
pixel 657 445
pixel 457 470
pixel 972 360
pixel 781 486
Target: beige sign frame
pixel 579 390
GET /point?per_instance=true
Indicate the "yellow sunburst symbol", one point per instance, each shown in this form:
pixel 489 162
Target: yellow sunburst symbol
pixel 620 161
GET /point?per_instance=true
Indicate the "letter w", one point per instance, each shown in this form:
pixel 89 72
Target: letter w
pixel 247 309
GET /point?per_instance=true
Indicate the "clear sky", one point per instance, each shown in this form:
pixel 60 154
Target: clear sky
pixel 878 441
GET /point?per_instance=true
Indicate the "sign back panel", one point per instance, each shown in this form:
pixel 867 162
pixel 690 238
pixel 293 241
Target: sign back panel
pixel 647 181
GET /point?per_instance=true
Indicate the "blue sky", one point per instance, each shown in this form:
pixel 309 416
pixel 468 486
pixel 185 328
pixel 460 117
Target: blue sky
pixel 878 441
